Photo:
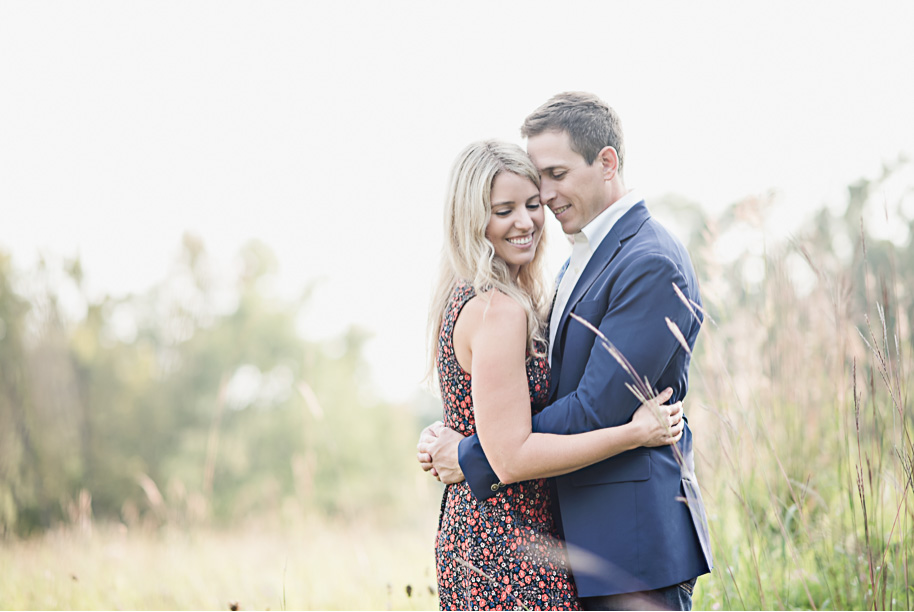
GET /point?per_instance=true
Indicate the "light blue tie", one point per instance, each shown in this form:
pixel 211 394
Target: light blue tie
pixel 555 292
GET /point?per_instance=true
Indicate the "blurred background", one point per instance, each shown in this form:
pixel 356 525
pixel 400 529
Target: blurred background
pixel 221 224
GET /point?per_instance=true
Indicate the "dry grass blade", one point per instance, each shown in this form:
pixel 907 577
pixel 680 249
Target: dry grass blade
pixel 688 303
pixel 641 387
pixel 885 334
pixel 883 359
pixel 475 569
pixel 677 333
pixel 862 337
pixel 692 305
pixel 707 316
pixel 646 392
pixel 637 393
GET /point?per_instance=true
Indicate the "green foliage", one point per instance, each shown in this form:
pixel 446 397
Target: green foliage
pixel 173 407
pixel 18 487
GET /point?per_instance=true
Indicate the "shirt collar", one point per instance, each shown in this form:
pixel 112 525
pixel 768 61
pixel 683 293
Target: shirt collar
pixel 595 231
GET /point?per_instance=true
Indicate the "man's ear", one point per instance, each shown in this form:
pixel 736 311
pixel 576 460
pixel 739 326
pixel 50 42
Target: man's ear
pixel 609 160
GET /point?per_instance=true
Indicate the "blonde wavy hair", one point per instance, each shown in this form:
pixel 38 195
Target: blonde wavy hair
pixel 468 256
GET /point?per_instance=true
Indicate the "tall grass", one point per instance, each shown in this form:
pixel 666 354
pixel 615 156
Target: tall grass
pixel 803 438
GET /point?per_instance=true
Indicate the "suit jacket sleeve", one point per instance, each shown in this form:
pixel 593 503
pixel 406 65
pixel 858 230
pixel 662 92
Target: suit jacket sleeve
pixel 641 298
pixel 476 469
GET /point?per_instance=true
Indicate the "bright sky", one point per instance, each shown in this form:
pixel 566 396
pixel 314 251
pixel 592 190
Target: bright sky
pixel 327 129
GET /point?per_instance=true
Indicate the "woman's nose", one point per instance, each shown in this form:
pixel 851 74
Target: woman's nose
pixel 523 220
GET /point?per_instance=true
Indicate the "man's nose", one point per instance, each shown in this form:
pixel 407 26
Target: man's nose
pixel 547 192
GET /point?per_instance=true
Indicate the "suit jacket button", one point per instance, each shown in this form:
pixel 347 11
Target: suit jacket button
pixel 494 487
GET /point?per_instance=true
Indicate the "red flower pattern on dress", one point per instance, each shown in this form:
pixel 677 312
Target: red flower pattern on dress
pixel 504 552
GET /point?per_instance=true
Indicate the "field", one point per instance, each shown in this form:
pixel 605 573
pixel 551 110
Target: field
pixel 309 496
pixel 312 566
pixel 804 456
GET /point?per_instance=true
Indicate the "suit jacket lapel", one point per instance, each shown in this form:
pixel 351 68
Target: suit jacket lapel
pixel 625 228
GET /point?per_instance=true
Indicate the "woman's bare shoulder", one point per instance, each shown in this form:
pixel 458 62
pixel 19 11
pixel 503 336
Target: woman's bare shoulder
pixel 495 309
pixel 491 308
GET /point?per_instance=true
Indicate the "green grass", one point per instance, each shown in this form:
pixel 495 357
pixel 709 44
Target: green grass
pixel 313 566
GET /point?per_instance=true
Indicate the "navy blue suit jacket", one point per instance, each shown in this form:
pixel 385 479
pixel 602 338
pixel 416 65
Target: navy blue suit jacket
pixel 634 521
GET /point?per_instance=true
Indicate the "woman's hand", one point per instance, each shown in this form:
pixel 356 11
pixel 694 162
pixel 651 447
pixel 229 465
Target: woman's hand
pixel 659 424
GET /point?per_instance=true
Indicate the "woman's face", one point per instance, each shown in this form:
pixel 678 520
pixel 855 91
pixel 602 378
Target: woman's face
pixel 516 224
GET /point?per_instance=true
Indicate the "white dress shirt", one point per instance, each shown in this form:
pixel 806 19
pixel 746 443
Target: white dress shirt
pixel 585 243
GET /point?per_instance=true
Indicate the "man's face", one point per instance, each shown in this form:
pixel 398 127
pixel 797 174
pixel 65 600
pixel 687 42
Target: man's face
pixel 572 189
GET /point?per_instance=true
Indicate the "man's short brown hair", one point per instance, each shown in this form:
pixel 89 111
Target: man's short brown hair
pixel 590 123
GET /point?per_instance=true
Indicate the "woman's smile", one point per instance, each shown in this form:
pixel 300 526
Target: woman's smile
pixel 517 219
pixel 521 241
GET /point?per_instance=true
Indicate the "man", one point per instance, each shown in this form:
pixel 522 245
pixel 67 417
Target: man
pixel 634 524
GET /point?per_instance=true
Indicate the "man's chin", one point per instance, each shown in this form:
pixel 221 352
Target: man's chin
pixel 569 228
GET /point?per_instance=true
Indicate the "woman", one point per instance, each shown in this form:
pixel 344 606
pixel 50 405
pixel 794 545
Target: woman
pixel 487 343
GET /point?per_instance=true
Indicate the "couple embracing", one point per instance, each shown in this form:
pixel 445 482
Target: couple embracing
pixel 565 490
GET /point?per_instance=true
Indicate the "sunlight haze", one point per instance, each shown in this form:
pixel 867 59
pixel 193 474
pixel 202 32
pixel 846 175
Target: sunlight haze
pixel 327 130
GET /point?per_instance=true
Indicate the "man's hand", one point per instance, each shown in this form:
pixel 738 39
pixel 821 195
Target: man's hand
pixel 438 452
pixel 428 435
pixel 444 456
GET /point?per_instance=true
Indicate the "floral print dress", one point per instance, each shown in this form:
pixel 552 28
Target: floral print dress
pixel 502 553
